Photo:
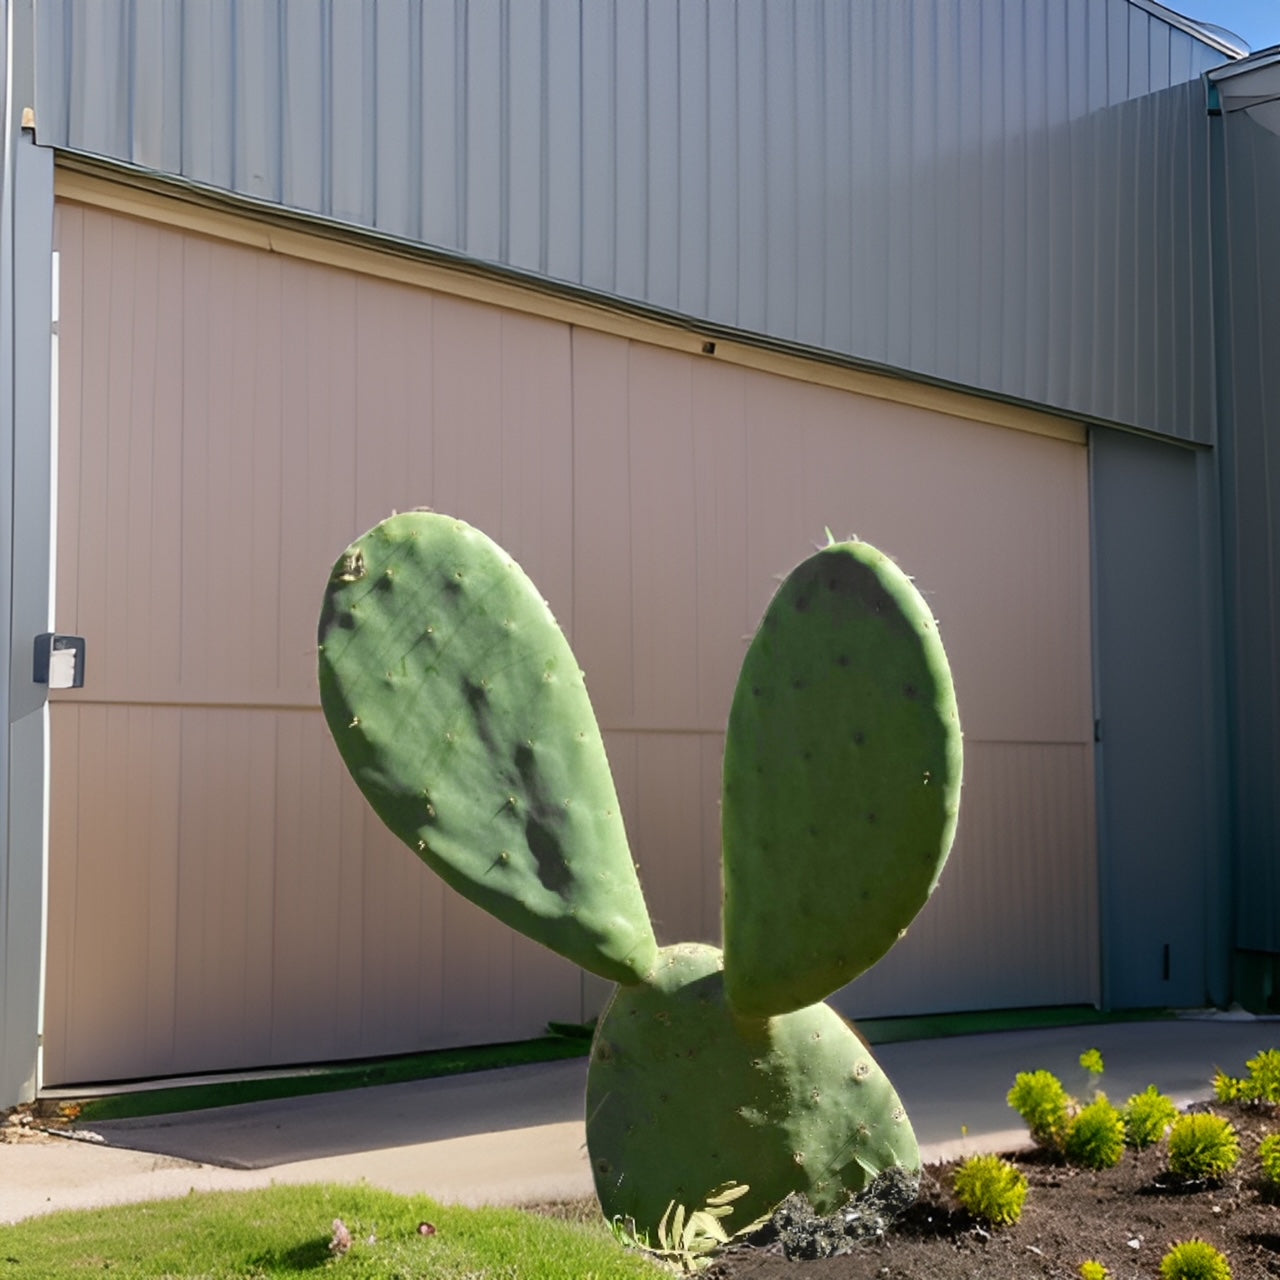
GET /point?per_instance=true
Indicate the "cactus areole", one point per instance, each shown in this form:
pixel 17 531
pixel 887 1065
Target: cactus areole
pixel 460 711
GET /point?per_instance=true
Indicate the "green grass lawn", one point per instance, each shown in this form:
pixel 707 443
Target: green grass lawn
pixel 286 1231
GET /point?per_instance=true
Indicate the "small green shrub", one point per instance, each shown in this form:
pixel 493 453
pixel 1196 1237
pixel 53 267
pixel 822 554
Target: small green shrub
pixel 1227 1088
pixel 991 1189
pixel 1263 1084
pixel 1039 1098
pixel 1091 1061
pixel 1092 1270
pixel 1269 1159
pixel 1095 1137
pixel 1146 1116
pixel 1194 1260
pixel 1202 1146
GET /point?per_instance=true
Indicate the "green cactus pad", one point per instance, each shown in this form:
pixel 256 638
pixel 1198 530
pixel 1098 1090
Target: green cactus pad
pixel 683 1096
pixel 841 780
pixel 461 713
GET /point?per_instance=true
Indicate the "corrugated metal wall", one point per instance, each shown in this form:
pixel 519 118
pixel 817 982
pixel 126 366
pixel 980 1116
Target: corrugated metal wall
pixel 26 208
pixel 915 183
pixel 17 965
pixel 220 895
pixel 1247 214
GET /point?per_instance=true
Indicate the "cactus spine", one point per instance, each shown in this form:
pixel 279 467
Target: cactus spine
pixel 461 713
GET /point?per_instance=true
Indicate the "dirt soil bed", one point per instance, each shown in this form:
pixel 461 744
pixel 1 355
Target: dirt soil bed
pixel 1126 1218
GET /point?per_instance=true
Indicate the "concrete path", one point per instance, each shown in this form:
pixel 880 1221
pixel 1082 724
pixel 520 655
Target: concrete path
pixel 516 1135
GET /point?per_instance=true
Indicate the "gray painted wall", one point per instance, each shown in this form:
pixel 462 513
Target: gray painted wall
pixel 15 967
pixel 26 230
pixel 1247 214
pixel 916 185
pixel 1164 877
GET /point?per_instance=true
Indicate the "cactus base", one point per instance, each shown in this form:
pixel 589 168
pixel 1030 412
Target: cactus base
pixel 683 1096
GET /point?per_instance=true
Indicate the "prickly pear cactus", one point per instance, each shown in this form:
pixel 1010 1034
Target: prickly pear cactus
pixel 460 711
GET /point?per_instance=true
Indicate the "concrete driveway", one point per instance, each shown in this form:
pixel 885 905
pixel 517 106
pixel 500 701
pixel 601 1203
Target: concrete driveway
pixel 516 1135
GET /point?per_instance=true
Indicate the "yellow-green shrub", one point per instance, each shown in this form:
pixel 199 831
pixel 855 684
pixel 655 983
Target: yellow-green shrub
pixel 1203 1146
pixel 1194 1260
pixel 991 1189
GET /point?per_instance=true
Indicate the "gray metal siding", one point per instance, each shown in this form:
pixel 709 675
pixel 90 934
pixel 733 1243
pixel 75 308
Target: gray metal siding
pixel 17 1041
pixel 912 183
pixel 26 211
pixel 1249 205
pixel 1159 804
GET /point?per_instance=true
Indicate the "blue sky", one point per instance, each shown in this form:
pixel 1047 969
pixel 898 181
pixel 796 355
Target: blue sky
pixel 1257 21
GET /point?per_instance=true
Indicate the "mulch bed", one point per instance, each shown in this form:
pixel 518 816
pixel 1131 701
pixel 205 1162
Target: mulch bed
pixel 1126 1218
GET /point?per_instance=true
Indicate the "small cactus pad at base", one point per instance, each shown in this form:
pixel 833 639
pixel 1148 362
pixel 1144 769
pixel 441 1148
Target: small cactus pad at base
pixel 461 713
pixel 841 780
pixel 683 1096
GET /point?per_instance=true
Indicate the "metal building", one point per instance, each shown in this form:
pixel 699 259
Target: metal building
pixel 652 292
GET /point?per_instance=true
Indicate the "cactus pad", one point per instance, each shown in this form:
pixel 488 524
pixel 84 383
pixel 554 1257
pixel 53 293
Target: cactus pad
pixel 841 780
pixel 683 1096
pixel 461 713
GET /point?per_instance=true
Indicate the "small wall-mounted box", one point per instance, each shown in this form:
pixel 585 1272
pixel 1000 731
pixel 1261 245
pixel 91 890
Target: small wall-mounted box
pixel 58 661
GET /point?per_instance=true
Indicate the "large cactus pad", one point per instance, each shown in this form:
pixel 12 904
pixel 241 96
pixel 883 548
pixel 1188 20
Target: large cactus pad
pixel 683 1096
pixel 841 780
pixel 461 713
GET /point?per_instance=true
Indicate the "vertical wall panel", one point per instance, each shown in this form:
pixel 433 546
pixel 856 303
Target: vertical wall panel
pixel 604 532
pixel 233 418
pixel 1022 857
pixel 563 181
pixel 1159 797
pixel 1247 174
pixel 395 342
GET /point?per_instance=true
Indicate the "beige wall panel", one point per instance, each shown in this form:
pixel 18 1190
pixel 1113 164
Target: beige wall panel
pixel 239 905
pixel 63 888
pixel 225 900
pixel 467 411
pixel 603 628
pixel 402 994
pixel 719 499
pixel 1015 914
pixel 535 467
pixel 664 547
pixel 318 918
pixel 992 524
pixel 395 373
pixel 711 746
pixel 720 463
pixel 667 834
pixel 319 447
pixel 110 996
pixel 669 789
pixel 221 895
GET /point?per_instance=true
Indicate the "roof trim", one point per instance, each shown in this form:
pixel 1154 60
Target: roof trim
pixel 1246 66
pixel 256 224
pixel 1192 28
pixel 1251 83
